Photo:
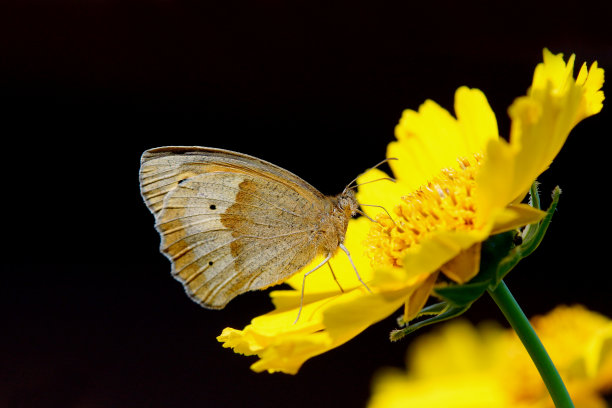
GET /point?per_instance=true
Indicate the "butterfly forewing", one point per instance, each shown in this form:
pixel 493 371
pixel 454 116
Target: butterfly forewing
pixel 163 168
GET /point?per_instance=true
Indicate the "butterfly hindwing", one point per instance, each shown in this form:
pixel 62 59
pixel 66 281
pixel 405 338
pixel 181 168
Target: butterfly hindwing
pixel 228 231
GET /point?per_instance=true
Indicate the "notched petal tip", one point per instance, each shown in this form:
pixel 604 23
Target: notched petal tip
pixel 238 341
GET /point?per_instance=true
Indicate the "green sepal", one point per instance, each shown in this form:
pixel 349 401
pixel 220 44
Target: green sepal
pixel 460 295
pixel 532 236
pixel 431 310
pixel 447 312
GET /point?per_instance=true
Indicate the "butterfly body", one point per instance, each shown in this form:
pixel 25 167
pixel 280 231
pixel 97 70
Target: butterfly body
pixel 231 223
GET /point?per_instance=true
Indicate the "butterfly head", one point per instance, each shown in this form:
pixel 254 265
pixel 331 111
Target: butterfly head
pixel 347 203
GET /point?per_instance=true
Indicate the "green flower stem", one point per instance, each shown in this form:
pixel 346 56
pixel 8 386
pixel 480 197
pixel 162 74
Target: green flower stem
pixel 519 322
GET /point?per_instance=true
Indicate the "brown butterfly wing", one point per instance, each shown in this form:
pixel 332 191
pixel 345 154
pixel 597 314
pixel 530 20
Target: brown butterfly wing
pixel 234 228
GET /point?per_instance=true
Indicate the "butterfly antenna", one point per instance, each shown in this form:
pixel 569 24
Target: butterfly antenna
pixel 371 168
pixel 377 206
pixel 366 215
pixel 371 181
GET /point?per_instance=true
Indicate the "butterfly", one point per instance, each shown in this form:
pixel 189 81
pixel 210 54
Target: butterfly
pixel 232 223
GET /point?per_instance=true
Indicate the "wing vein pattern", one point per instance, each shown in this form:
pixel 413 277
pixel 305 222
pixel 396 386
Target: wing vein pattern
pixel 229 223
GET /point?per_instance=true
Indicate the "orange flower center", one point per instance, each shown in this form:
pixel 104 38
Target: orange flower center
pixel 444 203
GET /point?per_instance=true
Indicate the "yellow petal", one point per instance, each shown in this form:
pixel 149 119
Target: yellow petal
pixel 416 300
pixel 432 139
pixel 290 352
pixel 239 340
pixel 428 140
pixel 352 314
pixel 515 216
pixel 543 119
pixel 476 120
pixel 464 266
pixel 439 248
pixel 495 181
pixel 280 344
pixel 592 81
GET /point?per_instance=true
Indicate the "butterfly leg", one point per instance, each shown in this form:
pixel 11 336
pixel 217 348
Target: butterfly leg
pixel 304 281
pixel 346 251
pixel 334 275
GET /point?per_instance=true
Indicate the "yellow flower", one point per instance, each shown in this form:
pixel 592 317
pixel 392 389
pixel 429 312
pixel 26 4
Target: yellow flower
pixel 461 366
pixel 458 183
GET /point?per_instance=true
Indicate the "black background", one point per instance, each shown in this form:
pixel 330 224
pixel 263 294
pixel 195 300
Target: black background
pixel 90 316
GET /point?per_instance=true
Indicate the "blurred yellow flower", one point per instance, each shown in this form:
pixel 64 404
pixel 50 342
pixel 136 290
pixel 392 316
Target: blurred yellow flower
pixel 458 182
pixel 459 365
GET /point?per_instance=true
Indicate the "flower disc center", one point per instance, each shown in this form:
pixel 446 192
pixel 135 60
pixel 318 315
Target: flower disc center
pixel 444 203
